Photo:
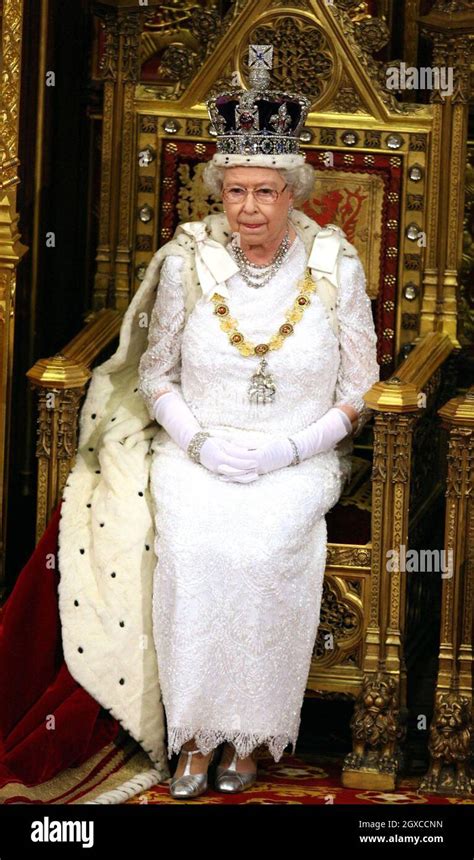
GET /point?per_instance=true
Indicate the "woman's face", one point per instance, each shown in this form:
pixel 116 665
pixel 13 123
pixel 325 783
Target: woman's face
pixel 258 223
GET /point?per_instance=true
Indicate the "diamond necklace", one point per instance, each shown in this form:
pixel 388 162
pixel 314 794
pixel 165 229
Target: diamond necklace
pixel 257 275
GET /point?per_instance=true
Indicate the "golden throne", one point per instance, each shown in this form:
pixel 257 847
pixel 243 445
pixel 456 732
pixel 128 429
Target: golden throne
pixel 383 176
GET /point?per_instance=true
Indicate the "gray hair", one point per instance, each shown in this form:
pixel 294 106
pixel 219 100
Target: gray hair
pixel 300 179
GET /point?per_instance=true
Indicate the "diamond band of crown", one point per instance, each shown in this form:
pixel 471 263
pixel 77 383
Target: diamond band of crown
pixel 258 121
pixel 250 145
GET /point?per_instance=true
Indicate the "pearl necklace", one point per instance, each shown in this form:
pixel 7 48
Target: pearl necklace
pixel 257 275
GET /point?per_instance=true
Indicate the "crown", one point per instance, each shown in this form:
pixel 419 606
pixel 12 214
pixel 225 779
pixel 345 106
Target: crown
pixel 260 121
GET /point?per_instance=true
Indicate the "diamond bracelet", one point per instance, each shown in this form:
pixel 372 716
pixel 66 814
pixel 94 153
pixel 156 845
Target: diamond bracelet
pixel 296 458
pixel 196 444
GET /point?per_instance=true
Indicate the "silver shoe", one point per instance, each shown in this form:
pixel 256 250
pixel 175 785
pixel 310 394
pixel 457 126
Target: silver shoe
pixel 189 784
pixel 230 779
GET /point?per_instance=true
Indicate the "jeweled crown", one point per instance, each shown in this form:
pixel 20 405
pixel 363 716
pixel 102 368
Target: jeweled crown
pixel 260 120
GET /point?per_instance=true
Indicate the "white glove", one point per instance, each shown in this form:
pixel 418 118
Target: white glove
pixel 321 435
pixel 231 461
pixel 324 434
pixel 217 455
pixel 175 416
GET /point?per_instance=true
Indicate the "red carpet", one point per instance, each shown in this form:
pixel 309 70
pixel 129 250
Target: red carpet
pixel 304 778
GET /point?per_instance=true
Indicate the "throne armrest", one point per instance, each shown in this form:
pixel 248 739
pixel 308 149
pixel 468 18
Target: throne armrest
pixel 60 381
pixel 401 392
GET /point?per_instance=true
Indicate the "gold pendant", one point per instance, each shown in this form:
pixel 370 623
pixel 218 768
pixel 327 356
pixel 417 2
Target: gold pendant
pixel 262 387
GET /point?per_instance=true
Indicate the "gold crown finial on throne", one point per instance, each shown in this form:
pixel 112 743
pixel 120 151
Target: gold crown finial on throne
pixel 259 126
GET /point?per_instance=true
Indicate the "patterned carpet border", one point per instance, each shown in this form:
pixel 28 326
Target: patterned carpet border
pixel 117 772
pixel 122 773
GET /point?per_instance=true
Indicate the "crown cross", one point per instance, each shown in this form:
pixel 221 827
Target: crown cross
pixel 260 64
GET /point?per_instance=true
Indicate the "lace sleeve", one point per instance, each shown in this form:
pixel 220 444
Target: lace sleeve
pixel 159 368
pixel 358 368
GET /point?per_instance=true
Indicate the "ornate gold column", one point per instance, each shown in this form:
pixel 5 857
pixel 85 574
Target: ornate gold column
pixel 379 721
pixel 121 73
pixel 11 249
pixel 374 763
pixel 450 25
pixel 451 726
pixel 60 384
pixel 411 33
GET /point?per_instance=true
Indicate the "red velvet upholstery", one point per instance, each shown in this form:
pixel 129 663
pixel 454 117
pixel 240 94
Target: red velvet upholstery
pixel 47 721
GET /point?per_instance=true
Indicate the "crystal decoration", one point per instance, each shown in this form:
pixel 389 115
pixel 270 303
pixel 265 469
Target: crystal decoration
pixel 350 138
pixel 410 292
pixel 145 213
pixel 146 155
pixel 394 141
pixel 412 232
pixel 171 126
pixel 415 173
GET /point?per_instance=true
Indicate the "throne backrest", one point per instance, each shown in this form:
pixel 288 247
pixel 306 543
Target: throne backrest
pixel 358 191
pixel 369 150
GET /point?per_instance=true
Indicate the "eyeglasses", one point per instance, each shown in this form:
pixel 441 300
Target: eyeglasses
pixel 237 194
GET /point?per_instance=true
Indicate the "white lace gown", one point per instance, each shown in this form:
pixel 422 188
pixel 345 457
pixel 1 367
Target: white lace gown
pixel 240 567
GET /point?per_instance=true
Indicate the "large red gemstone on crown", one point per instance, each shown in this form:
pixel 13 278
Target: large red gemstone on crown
pixel 246 121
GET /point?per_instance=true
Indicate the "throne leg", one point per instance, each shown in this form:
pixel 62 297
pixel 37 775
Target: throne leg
pixel 377 733
pixel 451 727
pixel 449 748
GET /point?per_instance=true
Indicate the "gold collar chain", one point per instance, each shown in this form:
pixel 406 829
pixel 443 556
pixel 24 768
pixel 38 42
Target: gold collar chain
pixel 262 387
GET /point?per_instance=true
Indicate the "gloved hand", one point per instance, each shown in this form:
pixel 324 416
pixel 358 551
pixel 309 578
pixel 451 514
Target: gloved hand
pixel 324 434
pixel 171 411
pixel 231 461
pixel 321 435
pixel 217 455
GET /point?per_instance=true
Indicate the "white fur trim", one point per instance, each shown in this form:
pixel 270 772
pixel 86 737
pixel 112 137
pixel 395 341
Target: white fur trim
pixel 285 162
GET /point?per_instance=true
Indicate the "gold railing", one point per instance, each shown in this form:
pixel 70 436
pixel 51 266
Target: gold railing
pixel 60 382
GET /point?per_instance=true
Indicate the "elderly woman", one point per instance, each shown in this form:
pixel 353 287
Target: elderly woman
pixel 252 392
